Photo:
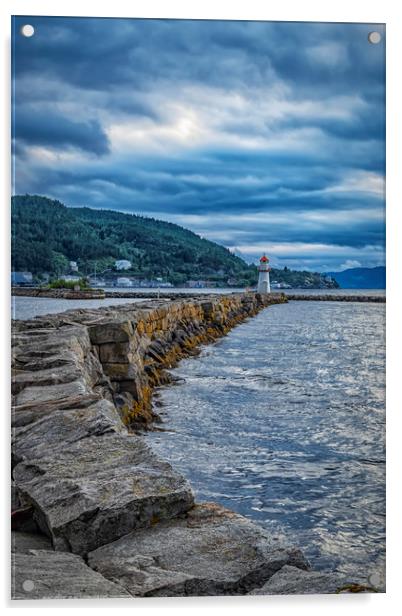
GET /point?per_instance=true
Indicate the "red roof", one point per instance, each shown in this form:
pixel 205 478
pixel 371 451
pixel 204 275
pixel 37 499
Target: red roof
pixel 264 259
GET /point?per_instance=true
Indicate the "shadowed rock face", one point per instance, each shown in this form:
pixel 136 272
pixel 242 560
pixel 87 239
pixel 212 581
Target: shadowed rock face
pixel 22 543
pixel 209 550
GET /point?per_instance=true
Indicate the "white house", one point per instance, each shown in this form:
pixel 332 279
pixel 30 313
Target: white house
pixel 122 264
pixel 123 282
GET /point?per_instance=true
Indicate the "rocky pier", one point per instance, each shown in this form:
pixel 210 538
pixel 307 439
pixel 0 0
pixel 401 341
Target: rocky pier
pixel 177 295
pixel 95 512
pixel 58 293
pixel 335 297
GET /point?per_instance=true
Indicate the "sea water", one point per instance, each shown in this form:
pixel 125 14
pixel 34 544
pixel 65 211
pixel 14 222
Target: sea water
pixel 283 421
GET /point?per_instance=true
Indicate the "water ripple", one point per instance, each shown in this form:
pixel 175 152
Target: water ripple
pixel 283 421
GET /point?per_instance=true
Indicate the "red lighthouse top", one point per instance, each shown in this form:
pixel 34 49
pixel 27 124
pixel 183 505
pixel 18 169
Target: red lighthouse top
pixel 264 259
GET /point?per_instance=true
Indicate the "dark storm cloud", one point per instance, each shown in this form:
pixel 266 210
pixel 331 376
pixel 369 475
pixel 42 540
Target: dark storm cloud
pixel 187 120
pixel 102 52
pixel 50 128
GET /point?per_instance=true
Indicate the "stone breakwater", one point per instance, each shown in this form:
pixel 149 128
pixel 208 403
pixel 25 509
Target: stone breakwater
pixel 101 294
pixel 96 513
pixel 58 293
pixel 378 299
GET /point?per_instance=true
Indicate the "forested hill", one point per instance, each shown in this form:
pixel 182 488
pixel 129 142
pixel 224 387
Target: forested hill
pixel 47 235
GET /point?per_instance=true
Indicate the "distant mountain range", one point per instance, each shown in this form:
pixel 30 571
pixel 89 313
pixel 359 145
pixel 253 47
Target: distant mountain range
pixel 360 278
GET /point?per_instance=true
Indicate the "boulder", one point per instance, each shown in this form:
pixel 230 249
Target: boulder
pixel 114 352
pixel 95 490
pixel 29 361
pixel 42 378
pixel 42 574
pixel 31 411
pixel 38 394
pixel 63 428
pixel 293 581
pixel 110 331
pixel 208 551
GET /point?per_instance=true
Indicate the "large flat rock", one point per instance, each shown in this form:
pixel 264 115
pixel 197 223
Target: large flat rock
pixel 95 490
pixel 62 428
pixel 42 378
pixel 60 391
pixel 30 412
pixel 208 551
pixel 53 368
pixel 42 574
pixel 293 581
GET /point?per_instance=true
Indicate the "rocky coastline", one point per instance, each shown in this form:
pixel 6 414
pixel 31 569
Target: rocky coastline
pixel 58 293
pixel 329 297
pixel 95 512
pixel 154 293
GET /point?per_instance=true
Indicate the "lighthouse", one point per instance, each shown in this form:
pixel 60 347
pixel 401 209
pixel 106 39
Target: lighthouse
pixel 263 276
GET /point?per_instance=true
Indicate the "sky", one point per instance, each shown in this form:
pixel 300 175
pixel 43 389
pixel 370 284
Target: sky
pixel 261 136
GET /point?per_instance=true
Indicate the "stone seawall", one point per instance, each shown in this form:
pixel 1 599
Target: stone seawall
pixel 377 299
pixel 172 295
pixel 96 512
pixel 58 293
pixel 135 343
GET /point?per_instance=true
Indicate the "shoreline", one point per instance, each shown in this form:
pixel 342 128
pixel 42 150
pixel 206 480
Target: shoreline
pixel 378 299
pixel 154 294
pixel 82 385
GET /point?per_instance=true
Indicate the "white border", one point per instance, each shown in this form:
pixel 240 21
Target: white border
pixel 287 10
pixel 382 11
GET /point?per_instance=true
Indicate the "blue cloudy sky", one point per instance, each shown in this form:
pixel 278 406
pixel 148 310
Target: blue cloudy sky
pixel 264 137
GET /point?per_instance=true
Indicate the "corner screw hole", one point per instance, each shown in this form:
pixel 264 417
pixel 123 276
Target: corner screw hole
pixel 27 30
pixel 374 38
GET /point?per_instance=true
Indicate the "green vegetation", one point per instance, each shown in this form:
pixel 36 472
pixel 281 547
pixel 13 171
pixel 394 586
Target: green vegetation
pixel 60 283
pixel 301 279
pixel 46 236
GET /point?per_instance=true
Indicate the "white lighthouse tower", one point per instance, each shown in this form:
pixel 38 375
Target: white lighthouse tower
pixel 263 276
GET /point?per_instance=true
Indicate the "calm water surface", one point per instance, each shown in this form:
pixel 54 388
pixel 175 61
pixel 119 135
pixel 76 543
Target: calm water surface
pixel 28 307
pixel 283 421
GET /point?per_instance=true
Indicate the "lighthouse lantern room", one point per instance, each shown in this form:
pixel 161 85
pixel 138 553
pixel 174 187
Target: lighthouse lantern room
pixel 263 275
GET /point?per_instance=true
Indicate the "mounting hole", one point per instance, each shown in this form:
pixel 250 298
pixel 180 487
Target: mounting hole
pixel 27 30
pixel 28 585
pixel 374 38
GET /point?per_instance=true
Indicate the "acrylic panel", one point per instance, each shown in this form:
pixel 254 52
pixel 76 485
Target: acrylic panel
pixel 198 204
